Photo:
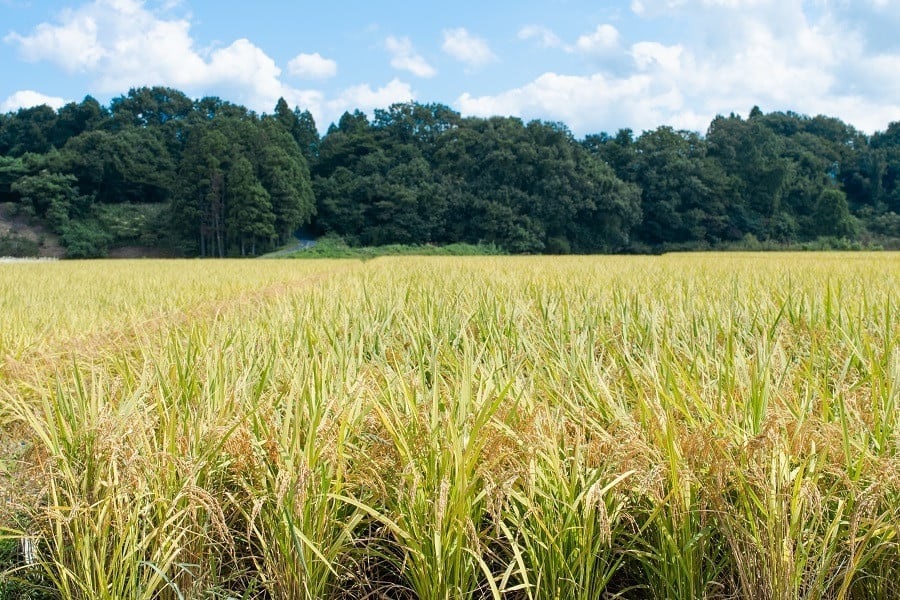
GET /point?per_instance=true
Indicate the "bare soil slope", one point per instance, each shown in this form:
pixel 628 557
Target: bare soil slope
pixel 48 241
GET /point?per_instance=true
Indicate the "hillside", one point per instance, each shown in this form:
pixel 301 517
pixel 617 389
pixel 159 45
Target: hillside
pixel 18 236
pixel 157 173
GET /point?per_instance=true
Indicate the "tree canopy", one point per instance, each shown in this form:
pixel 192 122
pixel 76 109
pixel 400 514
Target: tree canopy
pixel 209 178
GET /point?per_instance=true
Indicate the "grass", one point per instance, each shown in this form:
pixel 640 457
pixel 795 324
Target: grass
pixel 687 426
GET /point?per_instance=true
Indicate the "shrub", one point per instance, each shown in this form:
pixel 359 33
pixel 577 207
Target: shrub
pixel 18 246
pixel 85 239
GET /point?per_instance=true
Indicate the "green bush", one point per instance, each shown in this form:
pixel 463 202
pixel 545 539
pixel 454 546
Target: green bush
pixel 332 246
pixel 129 224
pixel 18 246
pixel 85 239
pixel 886 224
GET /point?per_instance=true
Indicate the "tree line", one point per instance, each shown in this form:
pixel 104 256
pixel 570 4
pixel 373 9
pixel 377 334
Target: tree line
pixel 210 178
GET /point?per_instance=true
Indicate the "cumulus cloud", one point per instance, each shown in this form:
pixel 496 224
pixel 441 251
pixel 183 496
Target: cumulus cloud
pixel 601 41
pixel 467 48
pixel 28 99
pixel 544 36
pixel 653 54
pixel 837 57
pixel 124 43
pixel 657 7
pixel 405 57
pixel 583 102
pixel 312 66
pixel 734 54
pixel 74 46
pixel 366 98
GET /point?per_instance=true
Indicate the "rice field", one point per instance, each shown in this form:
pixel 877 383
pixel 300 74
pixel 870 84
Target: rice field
pixel 675 427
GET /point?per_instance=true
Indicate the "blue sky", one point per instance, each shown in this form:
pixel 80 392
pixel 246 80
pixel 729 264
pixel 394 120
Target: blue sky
pixel 597 66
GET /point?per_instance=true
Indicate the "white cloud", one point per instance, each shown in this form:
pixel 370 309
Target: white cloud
pixel 327 110
pixel 583 102
pixel 645 7
pixel 124 43
pixel 314 100
pixel 74 46
pixel 405 58
pixel 28 99
pixel 365 98
pixel 650 54
pixel 544 36
pixel 601 41
pixel 837 57
pixel 312 66
pixel 780 55
pixel 467 48
pixel 243 66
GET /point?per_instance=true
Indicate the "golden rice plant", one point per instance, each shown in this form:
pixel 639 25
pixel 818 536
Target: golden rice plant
pixel 686 426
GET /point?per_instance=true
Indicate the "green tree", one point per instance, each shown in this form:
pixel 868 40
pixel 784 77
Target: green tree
pixel 833 215
pixel 150 106
pixel 132 165
pixel 822 152
pixel 28 130
pixel 306 135
pixel 209 107
pixel 164 110
pixel 50 196
pixel 198 203
pixel 287 181
pixel 249 217
pixel 284 174
pixel 682 190
pixel 73 119
pixel 759 175
pixel 11 170
pixel 618 152
pixel 886 158
pixel 525 185
pixel 284 116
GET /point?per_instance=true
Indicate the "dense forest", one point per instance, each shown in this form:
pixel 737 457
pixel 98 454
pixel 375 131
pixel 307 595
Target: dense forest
pixel 156 169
